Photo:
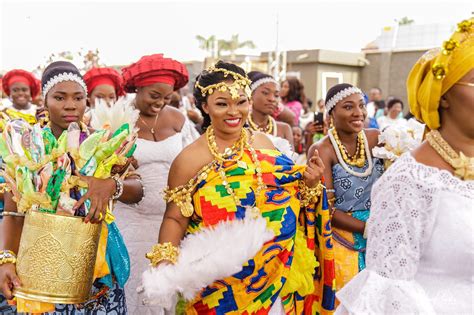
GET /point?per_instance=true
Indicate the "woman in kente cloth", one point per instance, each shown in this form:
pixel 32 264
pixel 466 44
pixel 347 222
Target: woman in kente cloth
pixel 239 202
pixel 420 233
pixel 349 174
pixel 65 100
pixel 21 87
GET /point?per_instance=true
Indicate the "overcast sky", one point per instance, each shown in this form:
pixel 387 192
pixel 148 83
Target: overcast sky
pixel 125 31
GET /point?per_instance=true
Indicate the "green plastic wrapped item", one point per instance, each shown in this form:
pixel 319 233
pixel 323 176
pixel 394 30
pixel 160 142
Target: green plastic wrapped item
pixel 89 146
pixel 122 128
pixel 131 151
pixel 49 141
pixel 106 149
pixel 62 142
pixel 3 147
pixel 24 181
pixel 54 186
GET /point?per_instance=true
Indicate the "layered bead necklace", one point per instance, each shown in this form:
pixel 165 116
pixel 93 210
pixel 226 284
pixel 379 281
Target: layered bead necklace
pixel 463 165
pixel 358 159
pixel 270 128
pixel 235 154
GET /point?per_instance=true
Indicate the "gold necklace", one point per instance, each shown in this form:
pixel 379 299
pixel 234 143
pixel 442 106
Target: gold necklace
pixel 358 159
pixel 463 165
pixel 268 129
pixel 152 129
pixel 230 154
pixel 241 143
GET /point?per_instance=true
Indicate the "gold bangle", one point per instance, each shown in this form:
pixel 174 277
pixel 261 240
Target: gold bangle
pixel 7 257
pixel 310 195
pixel 11 214
pixel 160 252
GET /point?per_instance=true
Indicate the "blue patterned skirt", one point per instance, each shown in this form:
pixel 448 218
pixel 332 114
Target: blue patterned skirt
pixel 110 303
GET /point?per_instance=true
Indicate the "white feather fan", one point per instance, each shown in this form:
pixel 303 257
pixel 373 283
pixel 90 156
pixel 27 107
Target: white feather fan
pixel 209 255
pixel 113 117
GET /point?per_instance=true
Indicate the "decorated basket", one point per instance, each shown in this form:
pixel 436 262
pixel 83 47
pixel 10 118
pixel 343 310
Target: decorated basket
pixel 56 258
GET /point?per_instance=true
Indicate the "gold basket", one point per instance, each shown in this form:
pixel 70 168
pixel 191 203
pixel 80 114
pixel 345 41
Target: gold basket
pixel 56 258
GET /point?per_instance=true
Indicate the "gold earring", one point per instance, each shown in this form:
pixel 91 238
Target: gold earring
pixel 331 123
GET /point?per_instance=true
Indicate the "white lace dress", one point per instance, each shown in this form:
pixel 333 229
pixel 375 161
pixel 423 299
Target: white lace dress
pixel 420 250
pixel 140 224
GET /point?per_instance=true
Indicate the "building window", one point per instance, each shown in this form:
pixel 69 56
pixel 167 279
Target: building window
pixel 329 79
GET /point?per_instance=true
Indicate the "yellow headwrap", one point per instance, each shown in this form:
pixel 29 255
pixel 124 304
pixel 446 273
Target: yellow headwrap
pixel 437 71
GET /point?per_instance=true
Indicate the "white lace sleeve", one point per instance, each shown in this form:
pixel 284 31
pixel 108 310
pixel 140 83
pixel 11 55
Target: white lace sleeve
pixel 401 222
pixel 189 133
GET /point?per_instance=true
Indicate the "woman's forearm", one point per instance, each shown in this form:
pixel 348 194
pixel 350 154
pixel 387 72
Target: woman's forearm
pixel 11 233
pixel 132 191
pixel 347 223
pixel 172 230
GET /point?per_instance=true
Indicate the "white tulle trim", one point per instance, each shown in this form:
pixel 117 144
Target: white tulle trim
pixel 209 255
pixel 284 146
pixel 370 293
pixel 113 117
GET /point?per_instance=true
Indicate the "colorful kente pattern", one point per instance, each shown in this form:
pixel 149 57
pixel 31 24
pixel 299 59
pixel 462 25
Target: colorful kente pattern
pixel 257 286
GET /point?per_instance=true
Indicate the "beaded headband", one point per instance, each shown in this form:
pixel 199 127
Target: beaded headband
pixel 341 95
pixel 240 83
pixel 62 77
pixel 261 81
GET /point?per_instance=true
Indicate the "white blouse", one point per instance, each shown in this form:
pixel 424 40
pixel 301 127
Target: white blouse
pixel 420 250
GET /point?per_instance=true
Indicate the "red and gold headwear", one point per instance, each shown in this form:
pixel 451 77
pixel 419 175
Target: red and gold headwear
pixel 100 76
pixel 437 71
pixel 22 76
pixel 155 69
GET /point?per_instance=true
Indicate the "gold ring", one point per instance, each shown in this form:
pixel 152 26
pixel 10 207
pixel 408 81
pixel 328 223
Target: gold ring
pixel 100 216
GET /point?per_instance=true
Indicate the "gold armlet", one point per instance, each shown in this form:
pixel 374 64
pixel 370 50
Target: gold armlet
pixel 160 252
pixel 181 196
pixel 310 195
pixel 7 257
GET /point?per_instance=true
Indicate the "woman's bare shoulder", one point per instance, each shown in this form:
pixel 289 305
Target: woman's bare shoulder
pixel 189 162
pixel 261 141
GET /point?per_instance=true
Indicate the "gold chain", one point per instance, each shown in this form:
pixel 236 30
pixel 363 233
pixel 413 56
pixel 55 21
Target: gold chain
pixel 463 165
pixel 230 154
pixel 358 159
pixel 152 129
pixel 268 129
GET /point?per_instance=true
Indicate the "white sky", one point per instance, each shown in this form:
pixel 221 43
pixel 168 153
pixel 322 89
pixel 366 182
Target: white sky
pixel 124 31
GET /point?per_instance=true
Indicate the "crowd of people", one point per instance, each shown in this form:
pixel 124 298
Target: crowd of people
pixel 245 164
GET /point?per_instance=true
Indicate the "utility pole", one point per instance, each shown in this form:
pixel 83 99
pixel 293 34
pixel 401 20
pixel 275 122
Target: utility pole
pixel 277 58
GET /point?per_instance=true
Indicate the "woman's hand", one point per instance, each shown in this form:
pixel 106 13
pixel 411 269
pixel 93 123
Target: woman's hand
pixel 99 193
pixel 8 280
pixel 314 171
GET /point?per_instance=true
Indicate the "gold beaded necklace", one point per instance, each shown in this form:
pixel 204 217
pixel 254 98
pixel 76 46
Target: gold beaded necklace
pixel 268 129
pixel 358 159
pixel 241 144
pixel 230 154
pixel 463 165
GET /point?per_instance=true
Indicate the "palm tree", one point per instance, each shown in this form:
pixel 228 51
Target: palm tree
pixel 405 21
pixel 234 44
pixel 208 44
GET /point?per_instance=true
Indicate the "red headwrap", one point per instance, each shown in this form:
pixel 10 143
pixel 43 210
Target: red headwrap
pixel 18 75
pixel 99 76
pixel 155 69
